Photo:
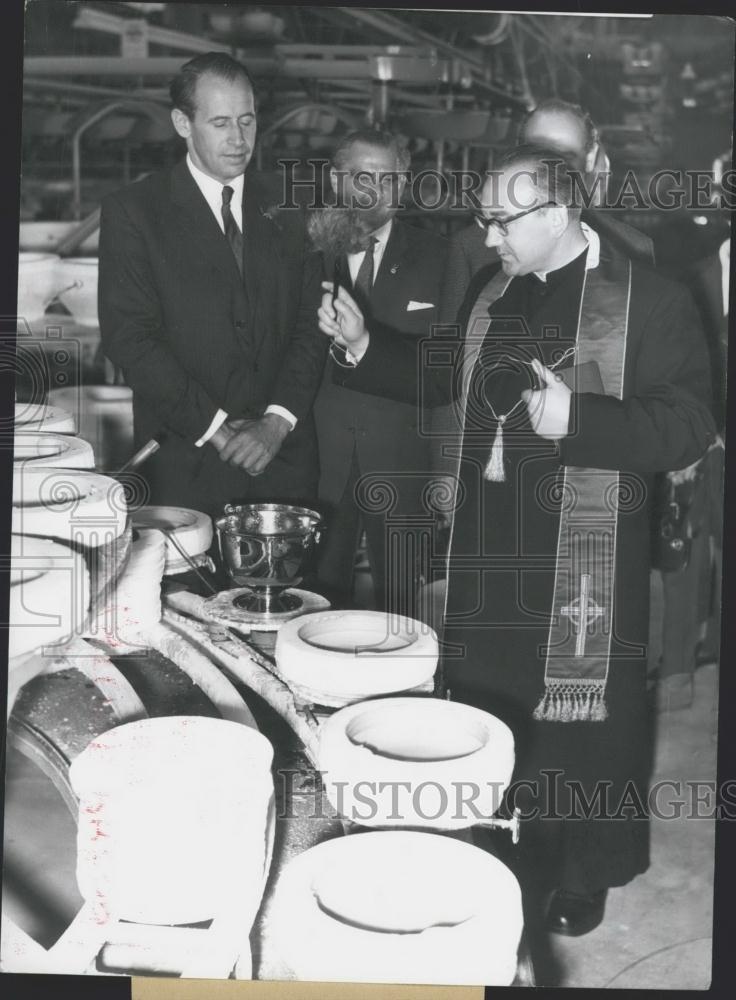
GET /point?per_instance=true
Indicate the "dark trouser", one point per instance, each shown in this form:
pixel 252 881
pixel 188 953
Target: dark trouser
pixel 683 612
pixel 393 552
pixel 692 595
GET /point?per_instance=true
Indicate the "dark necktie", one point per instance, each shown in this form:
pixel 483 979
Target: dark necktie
pixel 234 236
pixel 364 278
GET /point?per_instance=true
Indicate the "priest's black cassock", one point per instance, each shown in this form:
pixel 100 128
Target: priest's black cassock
pixel 504 568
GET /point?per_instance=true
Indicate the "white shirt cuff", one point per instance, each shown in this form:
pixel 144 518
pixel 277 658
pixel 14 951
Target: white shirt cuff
pixel 282 412
pixel 353 357
pixel 217 421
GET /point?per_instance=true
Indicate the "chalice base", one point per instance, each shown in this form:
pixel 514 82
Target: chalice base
pixel 267 603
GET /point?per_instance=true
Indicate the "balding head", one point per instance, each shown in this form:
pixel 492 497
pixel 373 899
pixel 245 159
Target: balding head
pixel 565 128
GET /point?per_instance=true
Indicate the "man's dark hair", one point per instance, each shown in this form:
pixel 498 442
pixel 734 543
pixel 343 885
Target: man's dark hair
pixel 182 88
pixel 551 174
pixel 379 138
pixel 554 105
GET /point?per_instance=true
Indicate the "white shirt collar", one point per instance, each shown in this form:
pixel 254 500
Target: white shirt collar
pixel 380 236
pixel 594 251
pixel 211 188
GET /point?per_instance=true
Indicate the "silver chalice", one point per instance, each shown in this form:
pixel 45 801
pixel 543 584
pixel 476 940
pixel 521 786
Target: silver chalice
pixel 264 547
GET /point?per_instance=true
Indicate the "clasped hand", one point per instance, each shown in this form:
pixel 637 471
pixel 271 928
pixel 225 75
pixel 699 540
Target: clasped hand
pixel 251 444
pixel 343 321
pixel 548 407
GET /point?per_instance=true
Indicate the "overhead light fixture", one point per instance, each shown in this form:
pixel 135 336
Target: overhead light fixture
pixel 545 13
pixel 146 8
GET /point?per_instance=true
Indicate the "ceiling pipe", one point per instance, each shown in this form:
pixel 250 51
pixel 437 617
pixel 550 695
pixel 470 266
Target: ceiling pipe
pixel 428 70
pixel 392 26
pixel 155 112
pixel 350 120
pixel 61 87
pixel 93 19
pixel 106 66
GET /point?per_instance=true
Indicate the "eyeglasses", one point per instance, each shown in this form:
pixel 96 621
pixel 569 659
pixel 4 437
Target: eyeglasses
pixel 501 225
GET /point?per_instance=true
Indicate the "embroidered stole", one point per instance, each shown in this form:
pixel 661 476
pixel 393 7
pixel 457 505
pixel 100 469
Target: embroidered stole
pixel 578 647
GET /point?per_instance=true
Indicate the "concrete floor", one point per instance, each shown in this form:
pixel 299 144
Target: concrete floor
pixel 657 930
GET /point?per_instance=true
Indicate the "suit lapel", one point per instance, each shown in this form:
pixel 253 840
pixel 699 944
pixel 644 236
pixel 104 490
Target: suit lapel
pixel 390 268
pixel 195 216
pixel 261 255
pixel 261 259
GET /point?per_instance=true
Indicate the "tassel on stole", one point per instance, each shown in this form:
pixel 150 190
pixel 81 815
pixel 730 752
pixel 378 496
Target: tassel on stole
pixel 571 704
pixel 494 470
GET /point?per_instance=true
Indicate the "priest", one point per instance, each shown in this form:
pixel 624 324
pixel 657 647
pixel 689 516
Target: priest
pixel 580 375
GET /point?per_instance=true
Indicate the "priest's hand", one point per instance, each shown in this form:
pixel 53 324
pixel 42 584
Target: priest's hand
pixel 549 407
pixel 343 321
pixel 251 444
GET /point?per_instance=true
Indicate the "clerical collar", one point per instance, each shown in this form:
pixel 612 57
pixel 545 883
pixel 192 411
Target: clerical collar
pixel 552 279
pixel 592 260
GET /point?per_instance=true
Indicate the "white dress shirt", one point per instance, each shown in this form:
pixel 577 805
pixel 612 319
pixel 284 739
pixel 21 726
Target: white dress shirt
pixel 356 259
pixel 212 192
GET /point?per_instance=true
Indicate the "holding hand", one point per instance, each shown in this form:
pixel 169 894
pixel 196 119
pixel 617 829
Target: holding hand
pixel 343 320
pixel 549 407
pixel 251 444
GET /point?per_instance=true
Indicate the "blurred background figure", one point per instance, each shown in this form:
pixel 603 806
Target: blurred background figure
pixel 691 625
pixel 569 130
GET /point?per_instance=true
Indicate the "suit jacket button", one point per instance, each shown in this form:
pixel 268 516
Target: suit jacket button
pixel 239 323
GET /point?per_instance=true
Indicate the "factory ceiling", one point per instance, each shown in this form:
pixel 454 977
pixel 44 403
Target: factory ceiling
pixel 346 56
pixel 452 82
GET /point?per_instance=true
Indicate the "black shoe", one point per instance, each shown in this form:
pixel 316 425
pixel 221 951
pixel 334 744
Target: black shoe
pixel 574 915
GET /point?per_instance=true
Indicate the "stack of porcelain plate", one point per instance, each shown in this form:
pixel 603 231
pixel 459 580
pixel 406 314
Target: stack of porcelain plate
pixel 49 595
pixel 188 534
pixel 133 605
pixel 78 288
pixel 397 907
pixel 43 417
pixel 423 762
pixel 72 506
pixel 104 416
pixel 62 451
pixel 38 283
pixel 186 807
pixel 336 658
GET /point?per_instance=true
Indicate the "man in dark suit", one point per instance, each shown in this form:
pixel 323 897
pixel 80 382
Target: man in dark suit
pixel 570 131
pixel 207 298
pixel 374 462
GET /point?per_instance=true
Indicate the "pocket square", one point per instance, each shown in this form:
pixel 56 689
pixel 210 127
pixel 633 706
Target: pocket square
pixel 419 305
